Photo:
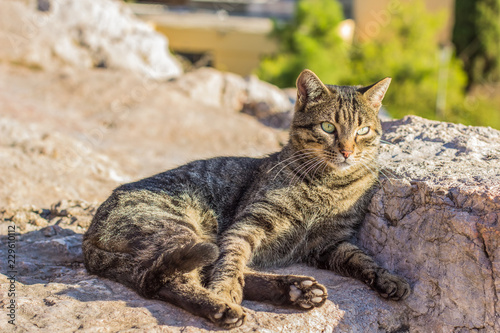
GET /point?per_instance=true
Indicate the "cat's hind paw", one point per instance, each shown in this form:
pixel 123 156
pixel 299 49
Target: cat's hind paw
pixel 307 294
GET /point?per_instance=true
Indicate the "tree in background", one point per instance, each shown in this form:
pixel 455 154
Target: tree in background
pixel 476 35
pixel 309 40
pixel 407 50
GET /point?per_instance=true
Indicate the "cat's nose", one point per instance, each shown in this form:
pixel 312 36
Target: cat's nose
pixel 346 153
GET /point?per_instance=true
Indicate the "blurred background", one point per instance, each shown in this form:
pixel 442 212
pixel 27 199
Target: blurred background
pixel 443 55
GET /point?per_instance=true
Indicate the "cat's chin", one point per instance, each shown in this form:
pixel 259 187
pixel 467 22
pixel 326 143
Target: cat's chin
pixel 342 166
pixel 345 166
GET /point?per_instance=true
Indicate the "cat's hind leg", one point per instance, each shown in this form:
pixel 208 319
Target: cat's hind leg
pixel 172 276
pixel 297 291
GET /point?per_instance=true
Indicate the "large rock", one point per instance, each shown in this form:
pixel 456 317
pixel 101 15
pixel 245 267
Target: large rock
pixel 77 134
pixel 230 92
pixel 84 34
pixel 434 219
pixel 45 165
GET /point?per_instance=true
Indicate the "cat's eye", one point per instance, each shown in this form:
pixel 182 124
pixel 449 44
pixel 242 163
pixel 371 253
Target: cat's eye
pixel 328 127
pixel 363 131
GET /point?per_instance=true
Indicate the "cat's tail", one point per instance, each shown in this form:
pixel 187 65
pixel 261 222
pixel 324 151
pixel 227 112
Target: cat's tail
pixel 148 277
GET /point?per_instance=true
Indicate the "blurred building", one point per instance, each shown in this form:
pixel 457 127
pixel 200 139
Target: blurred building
pixel 233 35
pixel 228 35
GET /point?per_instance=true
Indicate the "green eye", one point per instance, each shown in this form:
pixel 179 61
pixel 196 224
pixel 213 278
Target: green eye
pixel 328 127
pixel 363 131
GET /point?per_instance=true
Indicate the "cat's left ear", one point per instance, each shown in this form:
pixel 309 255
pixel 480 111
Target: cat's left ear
pixel 310 88
pixel 375 93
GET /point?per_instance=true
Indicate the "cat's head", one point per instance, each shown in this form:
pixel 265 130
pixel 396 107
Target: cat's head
pixel 338 124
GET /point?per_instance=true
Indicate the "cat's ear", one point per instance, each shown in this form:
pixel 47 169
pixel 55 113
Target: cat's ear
pixel 310 88
pixel 375 93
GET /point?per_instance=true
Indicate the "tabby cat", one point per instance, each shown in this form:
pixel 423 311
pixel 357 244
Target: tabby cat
pixel 194 236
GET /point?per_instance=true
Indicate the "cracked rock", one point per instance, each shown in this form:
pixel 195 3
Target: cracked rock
pixel 435 219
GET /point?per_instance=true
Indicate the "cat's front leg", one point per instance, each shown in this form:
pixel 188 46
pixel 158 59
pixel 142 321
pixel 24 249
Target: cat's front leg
pixel 349 260
pixel 236 248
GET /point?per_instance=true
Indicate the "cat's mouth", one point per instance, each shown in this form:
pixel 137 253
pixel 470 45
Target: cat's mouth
pixel 341 163
pixel 338 162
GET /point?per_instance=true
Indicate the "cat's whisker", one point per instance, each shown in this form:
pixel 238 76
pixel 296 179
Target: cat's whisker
pixel 326 165
pixel 302 152
pixel 323 162
pixel 368 163
pixel 298 172
pixel 302 166
pixel 373 172
pixel 394 174
pixel 294 160
pixel 306 172
pixel 384 171
pixel 385 175
pixel 387 142
pixel 294 155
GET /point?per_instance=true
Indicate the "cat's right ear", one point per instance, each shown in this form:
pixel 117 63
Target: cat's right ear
pixel 310 89
pixel 376 92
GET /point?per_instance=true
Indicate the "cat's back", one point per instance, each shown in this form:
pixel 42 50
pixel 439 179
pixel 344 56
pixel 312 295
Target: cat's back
pixel 208 177
pixel 214 187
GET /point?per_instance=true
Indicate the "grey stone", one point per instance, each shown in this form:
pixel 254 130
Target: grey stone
pixel 435 220
pixel 233 93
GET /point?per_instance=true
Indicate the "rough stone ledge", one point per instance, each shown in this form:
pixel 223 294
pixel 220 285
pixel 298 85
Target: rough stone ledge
pixel 435 220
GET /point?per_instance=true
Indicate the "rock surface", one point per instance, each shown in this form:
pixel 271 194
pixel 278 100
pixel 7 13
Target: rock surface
pixel 49 165
pixel 78 134
pixel 231 92
pixel 438 222
pixel 83 34
pixel 434 219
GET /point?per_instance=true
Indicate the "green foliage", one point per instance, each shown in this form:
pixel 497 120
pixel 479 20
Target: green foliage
pixel 406 49
pixel 479 110
pixel 476 34
pixel 309 40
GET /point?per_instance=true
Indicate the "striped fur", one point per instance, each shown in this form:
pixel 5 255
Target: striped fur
pixel 193 236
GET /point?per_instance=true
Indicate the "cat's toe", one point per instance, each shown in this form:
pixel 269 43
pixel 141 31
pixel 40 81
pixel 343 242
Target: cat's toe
pixel 307 294
pixel 306 283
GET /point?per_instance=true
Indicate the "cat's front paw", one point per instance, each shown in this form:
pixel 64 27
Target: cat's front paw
pixel 231 290
pixel 307 294
pixel 388 285
pixel 229 316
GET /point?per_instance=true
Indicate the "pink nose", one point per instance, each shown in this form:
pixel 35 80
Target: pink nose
pixel 346 153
